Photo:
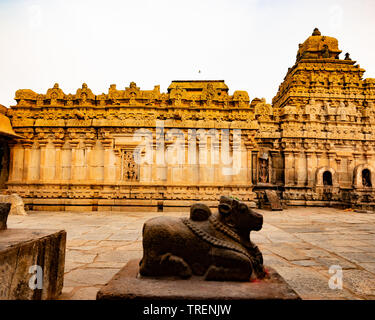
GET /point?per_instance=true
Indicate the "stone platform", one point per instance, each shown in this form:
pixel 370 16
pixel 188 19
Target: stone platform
pixel 127 284
pixel 21 249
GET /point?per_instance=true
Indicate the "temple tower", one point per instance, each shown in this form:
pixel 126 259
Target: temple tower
pixel 326 114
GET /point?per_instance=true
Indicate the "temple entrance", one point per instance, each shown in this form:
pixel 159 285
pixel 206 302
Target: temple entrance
pixel 366 178
pixel 327 178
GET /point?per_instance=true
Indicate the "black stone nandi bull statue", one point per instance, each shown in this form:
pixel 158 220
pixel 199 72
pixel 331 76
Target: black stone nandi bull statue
pixel 216 246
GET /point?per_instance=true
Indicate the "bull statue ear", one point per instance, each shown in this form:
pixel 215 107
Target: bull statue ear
pixel 243 208
pixel 225 209
pixel 199 212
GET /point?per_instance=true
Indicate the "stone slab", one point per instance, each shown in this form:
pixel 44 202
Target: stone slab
pixel 274 200
pixel 127 284
pixel 21 249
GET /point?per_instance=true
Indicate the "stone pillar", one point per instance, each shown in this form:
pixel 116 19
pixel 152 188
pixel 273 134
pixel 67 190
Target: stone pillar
pixel 109 161
pixel 202 161
pixel 254 167
pixel 75 164
pixel 191 174
pixel 331 163
pixel 309 169
pixel 159 156
pixel 160 162
pixel 47 161
pixel 96 163
pixel 300 169
pixel 16 162
pixel 356 161
pixel 319 160
pixel 58 159
pixel 43 159
pixel 89 162
pixel 289 168
pixel 27 161
pixel 296 155
pixel 248 166
pixel 210 167
pixel 275 168
pixel 118 169
pixel 66 161
pixel 237 163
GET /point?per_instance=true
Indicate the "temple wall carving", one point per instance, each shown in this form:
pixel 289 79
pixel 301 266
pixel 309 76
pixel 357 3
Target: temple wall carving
pixel 84 149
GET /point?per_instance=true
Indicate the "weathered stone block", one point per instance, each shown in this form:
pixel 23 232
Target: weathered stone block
pixel 21 251
pixel 17 205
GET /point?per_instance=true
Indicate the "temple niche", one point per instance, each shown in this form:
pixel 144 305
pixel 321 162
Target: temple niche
pixel 314 145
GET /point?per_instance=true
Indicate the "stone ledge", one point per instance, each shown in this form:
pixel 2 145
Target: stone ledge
pixel 128 285
pixel 22 248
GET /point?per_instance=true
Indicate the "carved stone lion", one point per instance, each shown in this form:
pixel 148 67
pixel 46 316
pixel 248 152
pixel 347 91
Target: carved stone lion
pixel 216 246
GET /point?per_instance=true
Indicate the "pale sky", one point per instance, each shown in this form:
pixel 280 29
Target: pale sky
pixel 249 44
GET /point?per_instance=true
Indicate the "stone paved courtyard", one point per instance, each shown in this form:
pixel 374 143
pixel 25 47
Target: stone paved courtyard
pixel 300 243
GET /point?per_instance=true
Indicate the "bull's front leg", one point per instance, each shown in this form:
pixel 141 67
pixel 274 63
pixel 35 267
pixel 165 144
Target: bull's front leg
pixel 174 265
pixel 228 265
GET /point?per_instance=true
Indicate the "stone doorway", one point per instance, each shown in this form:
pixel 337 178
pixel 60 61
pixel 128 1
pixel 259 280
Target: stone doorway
pixel 327 178
pixel 366 178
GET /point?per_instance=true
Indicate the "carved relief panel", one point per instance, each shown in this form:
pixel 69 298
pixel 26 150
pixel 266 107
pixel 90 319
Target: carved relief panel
pixel 130 166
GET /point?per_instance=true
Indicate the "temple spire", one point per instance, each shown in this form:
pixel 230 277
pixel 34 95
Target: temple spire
pixel 316 32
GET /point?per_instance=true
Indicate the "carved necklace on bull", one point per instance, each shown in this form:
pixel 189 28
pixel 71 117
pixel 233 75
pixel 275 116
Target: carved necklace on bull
pixel 221 227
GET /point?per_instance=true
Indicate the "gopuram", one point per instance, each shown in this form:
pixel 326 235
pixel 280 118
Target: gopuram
pixel 161 151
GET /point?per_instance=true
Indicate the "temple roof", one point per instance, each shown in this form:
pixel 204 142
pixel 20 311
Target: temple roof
pixel 5 126
pixel 198 85
pixel 319 47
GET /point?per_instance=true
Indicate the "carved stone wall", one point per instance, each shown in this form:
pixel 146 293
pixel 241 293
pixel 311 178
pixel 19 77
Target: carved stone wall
pixel 79 151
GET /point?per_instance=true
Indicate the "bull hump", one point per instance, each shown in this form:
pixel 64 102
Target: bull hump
pixel 202 231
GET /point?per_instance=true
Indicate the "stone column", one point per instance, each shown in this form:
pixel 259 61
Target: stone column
pixel 109 162
pixel 58 158
pixel 289 168
pixel 89 161
pixel 319 160
pixel 43 158
pixel 331 156
pixel 356 161
pixel 175 154
pixel 75 167
pixel 296 155
pixel 202 160
pixel 27 161
pixel 254 167
pixel 160 163
pixel 275 162
pixel 66 162
pixel 118 165
pixel 160 171
pixel 309 169
pixel 16 162
pixel 248 166
pixel 96 164
pixel 191 174
pixel 237 163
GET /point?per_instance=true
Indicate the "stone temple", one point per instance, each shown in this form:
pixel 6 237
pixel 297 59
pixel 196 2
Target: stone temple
pixel 314 145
